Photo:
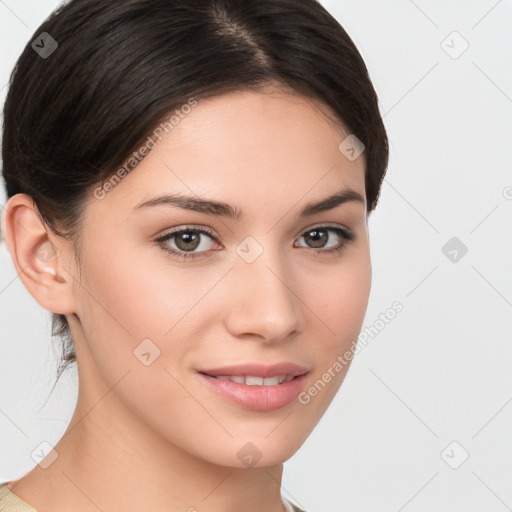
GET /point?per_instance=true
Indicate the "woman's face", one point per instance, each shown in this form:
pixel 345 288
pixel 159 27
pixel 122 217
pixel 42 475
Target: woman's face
pixel 265 288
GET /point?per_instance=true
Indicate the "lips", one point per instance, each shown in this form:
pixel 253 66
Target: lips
pixel 257 370
pixel 256 386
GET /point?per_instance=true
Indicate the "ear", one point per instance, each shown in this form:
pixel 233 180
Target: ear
pixel 39 256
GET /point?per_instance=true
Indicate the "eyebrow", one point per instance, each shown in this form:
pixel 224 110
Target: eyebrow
pixel 220 209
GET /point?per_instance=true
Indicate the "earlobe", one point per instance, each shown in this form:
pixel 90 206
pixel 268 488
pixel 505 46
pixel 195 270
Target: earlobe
pixel 35 254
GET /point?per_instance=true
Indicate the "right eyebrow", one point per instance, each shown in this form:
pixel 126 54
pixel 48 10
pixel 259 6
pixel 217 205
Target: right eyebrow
pixel 208 206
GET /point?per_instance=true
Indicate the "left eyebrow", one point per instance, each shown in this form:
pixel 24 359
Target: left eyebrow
pixel 331 202
pixel 220 209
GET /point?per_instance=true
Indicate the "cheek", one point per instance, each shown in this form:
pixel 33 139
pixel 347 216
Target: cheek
pixel 135 307
pixel 132 295
pixel 340 307
pixel 340 299
pixel 347 302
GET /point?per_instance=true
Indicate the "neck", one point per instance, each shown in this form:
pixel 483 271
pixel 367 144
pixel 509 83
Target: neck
pixel 108 461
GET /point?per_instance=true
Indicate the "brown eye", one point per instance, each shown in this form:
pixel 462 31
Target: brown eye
pixel 184 243
pixel 319 237
pixel 187 240
pixel 316 238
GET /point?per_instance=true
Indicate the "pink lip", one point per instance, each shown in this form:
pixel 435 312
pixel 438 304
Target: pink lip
pixel 258 398
pixel 258 370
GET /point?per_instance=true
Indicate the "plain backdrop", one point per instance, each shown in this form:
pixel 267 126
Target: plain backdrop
pixel 423 419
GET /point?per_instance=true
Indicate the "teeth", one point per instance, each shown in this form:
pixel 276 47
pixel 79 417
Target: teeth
pixel 254 381
pixel 250 380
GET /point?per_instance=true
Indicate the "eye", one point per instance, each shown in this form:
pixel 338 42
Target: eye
pixel 318 238
pixel 187 243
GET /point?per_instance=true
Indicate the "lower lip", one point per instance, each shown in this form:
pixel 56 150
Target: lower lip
pixel 257 398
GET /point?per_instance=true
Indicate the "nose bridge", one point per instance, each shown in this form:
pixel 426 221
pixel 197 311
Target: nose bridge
pixel 265 302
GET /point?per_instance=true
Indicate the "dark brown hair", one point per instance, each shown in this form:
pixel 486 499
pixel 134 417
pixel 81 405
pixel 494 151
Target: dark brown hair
pixel 73 117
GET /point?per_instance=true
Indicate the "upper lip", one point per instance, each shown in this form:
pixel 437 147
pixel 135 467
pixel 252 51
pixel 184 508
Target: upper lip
pixel 258 370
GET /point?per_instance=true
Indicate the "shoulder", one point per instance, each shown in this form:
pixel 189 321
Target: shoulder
pixel 9 502
pixel 291 507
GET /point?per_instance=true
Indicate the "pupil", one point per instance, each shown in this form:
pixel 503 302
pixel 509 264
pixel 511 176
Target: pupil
pixel 317 238
pixel 188 237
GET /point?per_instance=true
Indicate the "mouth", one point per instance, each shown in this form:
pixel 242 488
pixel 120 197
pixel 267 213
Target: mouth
pixel 255 374
pixel 257 387
pixel 254 380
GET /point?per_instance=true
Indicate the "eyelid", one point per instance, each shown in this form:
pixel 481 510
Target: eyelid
pixel 184 255
pixel 212 234
pixel 189 227
pixel 347 236
pixel 345 230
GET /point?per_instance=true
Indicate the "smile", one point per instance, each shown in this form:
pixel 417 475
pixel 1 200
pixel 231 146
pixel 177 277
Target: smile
pixel 253 380
pixel 256 386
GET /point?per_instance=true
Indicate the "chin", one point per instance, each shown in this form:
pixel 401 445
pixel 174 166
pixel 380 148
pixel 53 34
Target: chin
pixel 261 451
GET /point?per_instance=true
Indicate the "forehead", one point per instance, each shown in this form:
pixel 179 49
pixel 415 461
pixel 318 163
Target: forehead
pixel 249 148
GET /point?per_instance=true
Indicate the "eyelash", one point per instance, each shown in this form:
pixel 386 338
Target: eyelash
pixel 346 236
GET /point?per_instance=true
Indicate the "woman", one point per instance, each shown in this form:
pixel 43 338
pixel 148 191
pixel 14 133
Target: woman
pixel 189 186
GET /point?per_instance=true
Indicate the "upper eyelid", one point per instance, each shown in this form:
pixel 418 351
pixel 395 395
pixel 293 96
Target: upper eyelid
pixel 202 230
pixel 211 234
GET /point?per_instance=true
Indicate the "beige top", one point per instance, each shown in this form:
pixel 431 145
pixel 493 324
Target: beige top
pixel 9 502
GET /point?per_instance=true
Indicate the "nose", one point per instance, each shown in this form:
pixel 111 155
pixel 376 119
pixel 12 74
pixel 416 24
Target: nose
pixel 265 302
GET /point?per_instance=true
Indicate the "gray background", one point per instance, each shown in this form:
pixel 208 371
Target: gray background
pixel 434 385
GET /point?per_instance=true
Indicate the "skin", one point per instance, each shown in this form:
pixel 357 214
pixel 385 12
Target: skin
pixel 155 437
